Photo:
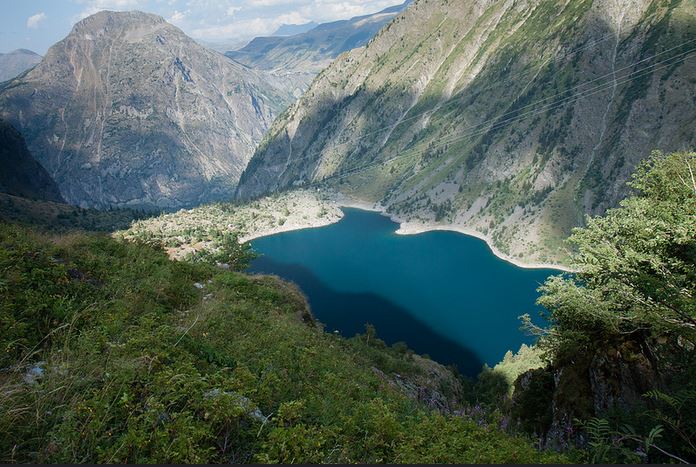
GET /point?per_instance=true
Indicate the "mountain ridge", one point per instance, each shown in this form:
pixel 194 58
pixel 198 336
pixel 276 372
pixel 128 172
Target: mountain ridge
pixel 20 174
pixel 306 54
pixel 13 64
pixel 292 29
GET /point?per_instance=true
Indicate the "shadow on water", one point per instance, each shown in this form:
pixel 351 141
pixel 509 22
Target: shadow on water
pixel 349 312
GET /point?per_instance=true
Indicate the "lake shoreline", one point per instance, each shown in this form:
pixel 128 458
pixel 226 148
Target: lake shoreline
pixel 407 227
pixel 437 293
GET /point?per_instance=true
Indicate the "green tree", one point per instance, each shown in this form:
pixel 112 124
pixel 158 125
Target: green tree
pixel 635 280
pixel 228 251
pixel 636 265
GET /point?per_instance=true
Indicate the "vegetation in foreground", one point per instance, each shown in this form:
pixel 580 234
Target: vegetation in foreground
pixel 620 370
pixel 111 352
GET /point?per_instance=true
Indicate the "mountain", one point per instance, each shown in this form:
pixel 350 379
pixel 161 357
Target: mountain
pixel 20 174
pixel 15 63
pixel 305 55
pixel 129 111
pixel 509 119
pixel 292 29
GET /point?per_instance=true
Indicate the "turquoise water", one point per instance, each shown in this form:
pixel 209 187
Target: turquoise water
pixel 443 293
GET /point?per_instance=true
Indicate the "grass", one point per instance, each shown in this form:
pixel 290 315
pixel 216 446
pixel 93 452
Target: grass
pixel 144 359
pixel 58 217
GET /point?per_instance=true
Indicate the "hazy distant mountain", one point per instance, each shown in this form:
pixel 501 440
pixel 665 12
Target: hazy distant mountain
pixel 129 111
pixel 223 46
pixel 292 29
pixel 511 118
pixel 304 55
pixel 15 63
pixel 20 174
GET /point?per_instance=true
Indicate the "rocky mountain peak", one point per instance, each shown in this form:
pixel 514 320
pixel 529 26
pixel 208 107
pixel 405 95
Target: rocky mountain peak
pixel 105 20
pixel 129 111
pixel 102 28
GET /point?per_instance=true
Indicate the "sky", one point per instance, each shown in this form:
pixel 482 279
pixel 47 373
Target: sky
pixel 38 24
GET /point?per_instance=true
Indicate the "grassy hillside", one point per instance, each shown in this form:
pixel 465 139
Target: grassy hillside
pixel 60 217
pixel 113 353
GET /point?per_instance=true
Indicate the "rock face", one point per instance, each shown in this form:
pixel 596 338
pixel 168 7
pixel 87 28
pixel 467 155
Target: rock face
pixel 15 63
pixel 548 401
pixel 301 56
pixel 20 174
pixel 129 111
pixel 513 118
pixel 437 388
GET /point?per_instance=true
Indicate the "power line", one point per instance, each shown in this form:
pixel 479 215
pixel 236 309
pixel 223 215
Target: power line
pixel 454 139
pixel 455 100
pixel 485 88
pixel 666 63
pixel 594 80
pixel 612 75
pixel 515 112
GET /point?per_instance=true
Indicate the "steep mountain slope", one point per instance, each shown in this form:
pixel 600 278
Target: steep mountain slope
pixel 305 54
pixel 509 118
pixel 20 174
pixel 15 63
pixel 129 111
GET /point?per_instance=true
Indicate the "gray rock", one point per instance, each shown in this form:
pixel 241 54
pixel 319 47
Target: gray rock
pixel 35 373
pixel 129 111
pixel 589 386
pixel 244 402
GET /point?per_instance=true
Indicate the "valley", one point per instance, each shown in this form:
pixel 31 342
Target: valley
pixel 353 265
pixel 300 57
pixel 328 245
pixel 513 120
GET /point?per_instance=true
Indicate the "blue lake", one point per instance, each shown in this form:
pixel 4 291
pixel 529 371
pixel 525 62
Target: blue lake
pixel 444 294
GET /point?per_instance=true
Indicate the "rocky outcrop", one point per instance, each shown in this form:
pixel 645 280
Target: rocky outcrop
pixel 15 63
pixel 549 401
pixel 510 118
pixel 20 174
pixel 129 111
pixel 436 387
